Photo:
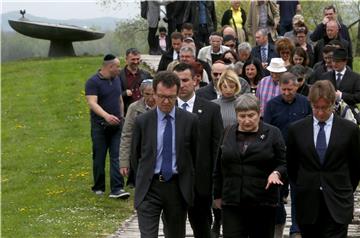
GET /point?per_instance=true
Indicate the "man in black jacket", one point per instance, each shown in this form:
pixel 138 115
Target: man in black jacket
pixel 173 53
pixel 131 77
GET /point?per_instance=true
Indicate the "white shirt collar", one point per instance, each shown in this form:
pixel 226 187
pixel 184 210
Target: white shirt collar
pixel 342 72
pixel 190 103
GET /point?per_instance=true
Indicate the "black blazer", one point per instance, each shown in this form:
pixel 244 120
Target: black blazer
pixel 349 85
pixel 243 177
pixel 208 92
pixel 256 52
pixel 144 152
pixel 338 176
pixel 165 60
pixel 210 131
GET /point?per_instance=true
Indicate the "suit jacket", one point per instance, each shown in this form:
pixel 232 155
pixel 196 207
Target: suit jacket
pixel 208 92
pixel 349 85
pixel 165 60
pixel 256 52
pixel 210 131
pixel 144 152
pixel 242 177
pixel 338 177
pixel 134 110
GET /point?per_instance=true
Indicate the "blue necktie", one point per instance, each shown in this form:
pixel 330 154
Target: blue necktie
pixel 321 142
pixel 166 166
pixel 263 55
pixel 184 106
pixel 338 80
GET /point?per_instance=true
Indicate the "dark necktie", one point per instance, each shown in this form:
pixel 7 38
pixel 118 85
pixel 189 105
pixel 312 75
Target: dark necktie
pixel 321 142
pixel 166 166
pixel 184 106
pixel 338 79
pixel 263 55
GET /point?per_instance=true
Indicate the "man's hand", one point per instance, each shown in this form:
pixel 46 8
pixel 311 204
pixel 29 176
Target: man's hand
pixel 112 120
pixel 338 94
pixel 128 93
pixel 124 171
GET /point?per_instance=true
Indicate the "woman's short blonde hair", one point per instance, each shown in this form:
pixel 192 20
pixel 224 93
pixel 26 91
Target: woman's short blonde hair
pixel 227 76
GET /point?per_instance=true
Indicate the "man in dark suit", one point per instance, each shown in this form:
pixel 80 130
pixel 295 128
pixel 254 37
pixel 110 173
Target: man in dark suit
pixel 264 50
pixel 210 130
pixel 173 53
pixel 345 81
pixel 164 149
pixel 323 159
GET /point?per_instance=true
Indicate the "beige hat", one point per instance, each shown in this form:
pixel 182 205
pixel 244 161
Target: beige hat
pixel 277 65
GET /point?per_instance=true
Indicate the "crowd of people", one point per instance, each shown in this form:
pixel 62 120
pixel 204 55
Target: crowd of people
pixel 226 130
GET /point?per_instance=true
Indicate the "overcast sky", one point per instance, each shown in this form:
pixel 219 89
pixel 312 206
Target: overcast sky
pixel 67 9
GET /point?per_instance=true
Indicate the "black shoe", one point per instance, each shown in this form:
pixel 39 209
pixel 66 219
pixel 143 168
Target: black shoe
pixel 120 194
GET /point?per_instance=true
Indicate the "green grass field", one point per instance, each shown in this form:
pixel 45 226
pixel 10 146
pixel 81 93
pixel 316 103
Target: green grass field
pixel 46 153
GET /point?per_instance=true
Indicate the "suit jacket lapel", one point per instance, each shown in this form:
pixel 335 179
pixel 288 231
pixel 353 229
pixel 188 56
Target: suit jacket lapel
pixel 153 121
pixel 178 129
pixel 197 109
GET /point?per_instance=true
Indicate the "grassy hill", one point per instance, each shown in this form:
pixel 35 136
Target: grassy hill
pixel 46 153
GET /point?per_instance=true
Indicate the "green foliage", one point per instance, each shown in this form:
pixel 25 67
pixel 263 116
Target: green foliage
pixel 46 153
pixel 132 33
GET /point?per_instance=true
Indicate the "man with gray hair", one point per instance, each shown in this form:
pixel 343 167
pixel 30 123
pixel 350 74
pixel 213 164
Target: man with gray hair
pixel 135 109
pixel 264 49
pixel 188 56
pixel 103 95
pixel 244 51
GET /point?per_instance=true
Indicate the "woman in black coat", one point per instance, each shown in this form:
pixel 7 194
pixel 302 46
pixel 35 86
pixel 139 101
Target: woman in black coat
pixel 250 166
pixel 236 18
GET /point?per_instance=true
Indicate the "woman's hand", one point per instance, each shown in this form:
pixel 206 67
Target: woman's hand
pixel 274 178
pixel 217 203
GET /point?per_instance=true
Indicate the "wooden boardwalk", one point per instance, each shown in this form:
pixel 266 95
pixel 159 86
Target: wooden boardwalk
pixel 130 229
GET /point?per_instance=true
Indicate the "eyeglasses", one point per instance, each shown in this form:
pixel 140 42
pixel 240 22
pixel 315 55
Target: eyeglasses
pixel 168 97
pixel 300 79
pixel 216 74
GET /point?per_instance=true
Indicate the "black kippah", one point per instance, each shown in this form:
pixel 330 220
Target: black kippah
pixel 109 57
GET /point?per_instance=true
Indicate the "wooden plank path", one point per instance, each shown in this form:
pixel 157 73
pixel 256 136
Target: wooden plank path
pixel 130 229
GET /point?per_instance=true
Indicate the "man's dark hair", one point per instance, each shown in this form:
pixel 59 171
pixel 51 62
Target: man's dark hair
pixel 336 42
pixel 328 49
pixel 109 57
pixel 167 79
pixel 182 67
pixel 187 26
pixel 176 35
pixel 162 29
pixel 132 51
pixel 329 8
pixel 215 33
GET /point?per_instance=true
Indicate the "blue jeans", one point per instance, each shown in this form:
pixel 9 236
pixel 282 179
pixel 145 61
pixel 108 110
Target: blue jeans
pixel 294 228
pixel 105 137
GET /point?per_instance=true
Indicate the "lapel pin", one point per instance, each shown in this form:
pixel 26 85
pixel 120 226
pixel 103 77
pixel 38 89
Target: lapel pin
pixel 262 137
pixel 200 111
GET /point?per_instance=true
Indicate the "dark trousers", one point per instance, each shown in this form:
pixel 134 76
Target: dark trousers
pixel 152 38
pixel 325 226
pixel 106 138
pixel 248 221
pixel 294 228
pixel 200 216
pixel 165 198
